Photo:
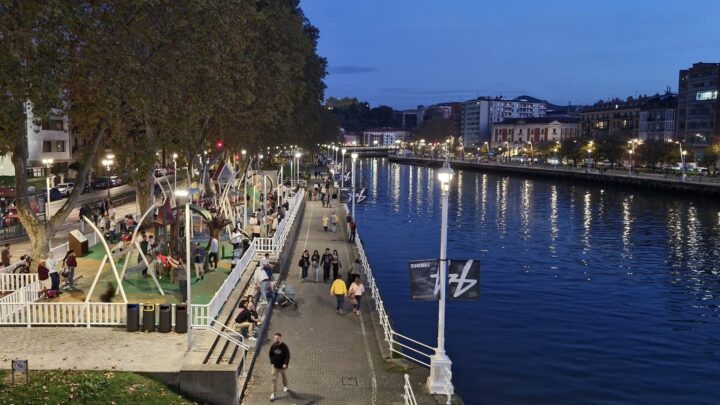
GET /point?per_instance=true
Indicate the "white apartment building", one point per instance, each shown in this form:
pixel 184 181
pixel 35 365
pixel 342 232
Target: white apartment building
pixel 49 140
pixel 384 136
pixel 517 133
pixel 480 114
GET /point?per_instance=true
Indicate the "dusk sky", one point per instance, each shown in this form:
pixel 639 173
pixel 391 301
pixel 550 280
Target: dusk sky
pixel 410 52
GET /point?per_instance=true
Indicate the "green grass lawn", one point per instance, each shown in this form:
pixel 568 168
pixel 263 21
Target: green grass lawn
pixel 86 387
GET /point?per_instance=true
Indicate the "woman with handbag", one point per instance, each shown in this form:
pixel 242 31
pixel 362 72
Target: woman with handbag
pixel 304 264
pixel 355 292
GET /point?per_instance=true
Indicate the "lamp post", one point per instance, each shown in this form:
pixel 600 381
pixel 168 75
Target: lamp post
pixel 298 155
pixel 107 162
pixel 175 156
pixel 682 160
pixel 48 164
pixel 243 153
pixel 440 363
pixel 353 157
pixel 186 194
pixel 342 169
pixel 589 151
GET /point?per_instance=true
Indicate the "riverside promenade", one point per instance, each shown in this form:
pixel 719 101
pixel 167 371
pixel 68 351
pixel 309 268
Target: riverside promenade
pixel 335 359
pixel 692 185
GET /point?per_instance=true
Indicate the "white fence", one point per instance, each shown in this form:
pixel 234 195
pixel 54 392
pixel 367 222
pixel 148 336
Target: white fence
pixel 14 282
pixel 409 395
pixel 58 252
pixel 400 344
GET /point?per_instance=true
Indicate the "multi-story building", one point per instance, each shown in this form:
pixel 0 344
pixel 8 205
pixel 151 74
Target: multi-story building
pixel 614 117
pixel 657 117
pixel 384 136
pixel 49 139
pixel 698 111
pixel 480 114
pixel 518 133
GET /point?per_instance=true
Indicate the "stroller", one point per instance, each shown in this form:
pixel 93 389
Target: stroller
pixel 285 295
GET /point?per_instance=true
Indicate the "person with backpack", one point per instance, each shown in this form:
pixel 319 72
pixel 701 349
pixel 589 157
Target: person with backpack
pixel 326 263
pixel 304 264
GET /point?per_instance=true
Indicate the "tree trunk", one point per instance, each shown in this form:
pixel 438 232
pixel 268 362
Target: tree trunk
pixel 39 235
pixel 144 187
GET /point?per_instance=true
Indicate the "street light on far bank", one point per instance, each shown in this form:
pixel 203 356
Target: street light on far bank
pixel 354 157
pixel 298 155
pixel 440 363
pixel 107 162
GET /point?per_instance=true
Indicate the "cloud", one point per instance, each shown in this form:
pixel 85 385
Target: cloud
pixel 351 69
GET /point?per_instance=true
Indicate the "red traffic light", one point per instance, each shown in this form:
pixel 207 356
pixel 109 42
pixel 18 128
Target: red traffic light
pixel 219 144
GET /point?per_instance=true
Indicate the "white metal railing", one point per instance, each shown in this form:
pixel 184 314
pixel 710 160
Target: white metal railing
pixel 400 344
pixel 13 307
pixel 234 337
pixel 13 282
pixel 409 395
pixel 58 251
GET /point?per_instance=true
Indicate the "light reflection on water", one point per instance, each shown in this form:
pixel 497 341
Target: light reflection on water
pixel 588 295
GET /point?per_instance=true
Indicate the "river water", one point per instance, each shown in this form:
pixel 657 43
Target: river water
pixel 588 294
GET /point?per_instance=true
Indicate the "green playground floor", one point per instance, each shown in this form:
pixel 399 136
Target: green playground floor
pixel 137 287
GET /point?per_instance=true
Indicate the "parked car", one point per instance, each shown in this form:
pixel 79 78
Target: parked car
pixel 100 183
pixel 66 188
pixel 56 194
pixel 115 181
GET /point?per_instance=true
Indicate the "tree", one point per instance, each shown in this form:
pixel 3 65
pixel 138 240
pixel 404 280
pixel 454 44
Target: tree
pixel 710 159
pixel 49 59
pixel 654 152
pixel 435 130
pixel 611 148
pixel 570 149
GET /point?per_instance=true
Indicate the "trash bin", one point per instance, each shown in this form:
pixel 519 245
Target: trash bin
pixel 165 325
pixel 181 318
pixel 133 317
pixel 148 318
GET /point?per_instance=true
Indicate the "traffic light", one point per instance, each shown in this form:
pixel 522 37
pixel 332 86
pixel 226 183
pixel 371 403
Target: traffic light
pixel 219 144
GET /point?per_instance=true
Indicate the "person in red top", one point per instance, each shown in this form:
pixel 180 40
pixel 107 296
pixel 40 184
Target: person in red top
pixel 70 262
pixel 43 274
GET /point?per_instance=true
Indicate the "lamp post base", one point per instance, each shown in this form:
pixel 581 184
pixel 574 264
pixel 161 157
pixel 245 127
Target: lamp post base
pixel 438 381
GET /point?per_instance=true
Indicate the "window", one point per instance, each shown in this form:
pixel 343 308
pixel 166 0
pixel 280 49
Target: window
pixel 60 146
pixel 53 124
pixel 706 95
pixel 47 146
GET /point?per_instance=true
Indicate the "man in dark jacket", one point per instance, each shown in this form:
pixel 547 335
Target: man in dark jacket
pixel 279 358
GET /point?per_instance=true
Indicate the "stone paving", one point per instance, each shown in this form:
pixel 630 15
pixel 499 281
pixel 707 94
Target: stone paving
pixel 335 359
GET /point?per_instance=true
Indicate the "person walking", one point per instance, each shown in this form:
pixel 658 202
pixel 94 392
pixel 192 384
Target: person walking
pixel 339 290
pixel 213 256
pixel 323 194
pixel 304 264
pixel 261 280
pixel 325 222
pixel 334 222
pixel 279 359
pixel 326 263
pixel 199 261
pixel 235 237
pixel 356 291
pixel 70 262
pixel 353 231
pixel 355 270
pixel 336 265
pixel 6 255
pixel 315 260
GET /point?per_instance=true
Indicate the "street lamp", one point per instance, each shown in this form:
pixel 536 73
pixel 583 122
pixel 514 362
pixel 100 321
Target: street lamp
pixel 297 165
pixel 440 363
pixel 175 156
pixel 48 164
pixel 186 194
pixel 107 162
pixel 243 153
pixel 354 157
pixel 682 159
pixel 589 151
pixel 342 169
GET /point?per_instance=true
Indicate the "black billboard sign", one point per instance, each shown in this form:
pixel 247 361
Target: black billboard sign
pixel 424 283
pixel 464 280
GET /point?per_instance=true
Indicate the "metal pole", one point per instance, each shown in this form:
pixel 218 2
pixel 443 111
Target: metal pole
pixel 682 160
pixel 47 208
pixel 443 268
pixel 352 171
pixel 175 174
pixel 264 197
pixel 187 271
pixel 342 170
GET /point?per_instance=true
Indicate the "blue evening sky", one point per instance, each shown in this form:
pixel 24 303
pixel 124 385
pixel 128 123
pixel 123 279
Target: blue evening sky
pixel 408 52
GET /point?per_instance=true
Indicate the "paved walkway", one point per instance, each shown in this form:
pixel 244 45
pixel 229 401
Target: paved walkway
pixel 335 358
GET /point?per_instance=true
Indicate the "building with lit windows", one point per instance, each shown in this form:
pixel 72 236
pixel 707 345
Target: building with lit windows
pixel 479 115
pixel 698 110
pixel 611 118
pixel 516 133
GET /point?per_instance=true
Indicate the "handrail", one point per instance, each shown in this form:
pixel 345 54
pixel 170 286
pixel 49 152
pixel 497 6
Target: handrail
pixel 409 395
pixel 221 332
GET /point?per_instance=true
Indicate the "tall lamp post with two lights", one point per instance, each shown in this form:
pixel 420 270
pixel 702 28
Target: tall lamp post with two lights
pixel 188 224
pixel 107 162
pixel 354 157
pixel 440 363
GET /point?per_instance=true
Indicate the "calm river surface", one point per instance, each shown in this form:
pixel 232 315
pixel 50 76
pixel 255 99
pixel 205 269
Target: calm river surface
pixel 588 295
